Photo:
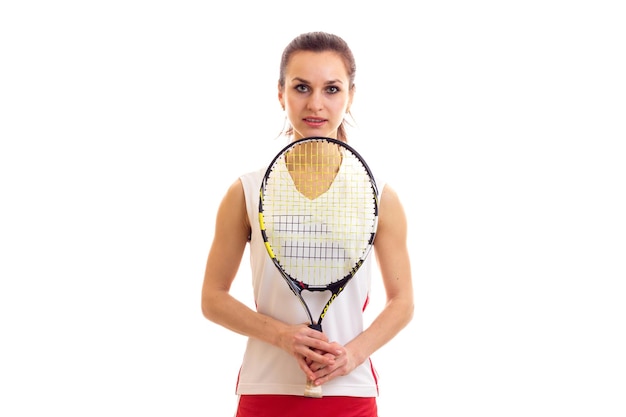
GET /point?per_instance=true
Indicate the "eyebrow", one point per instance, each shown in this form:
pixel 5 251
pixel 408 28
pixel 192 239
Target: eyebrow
pixel 302 80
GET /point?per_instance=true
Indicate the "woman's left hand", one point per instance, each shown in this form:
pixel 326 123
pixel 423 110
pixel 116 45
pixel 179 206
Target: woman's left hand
pixel 344 364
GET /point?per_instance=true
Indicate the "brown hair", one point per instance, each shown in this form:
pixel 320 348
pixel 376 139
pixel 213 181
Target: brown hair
pixel 319 42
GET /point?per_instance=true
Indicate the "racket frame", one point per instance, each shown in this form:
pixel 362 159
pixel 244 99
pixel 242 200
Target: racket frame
pixel 297 286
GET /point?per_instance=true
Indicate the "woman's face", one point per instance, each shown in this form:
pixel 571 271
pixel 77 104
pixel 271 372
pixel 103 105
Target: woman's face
pixel 317 93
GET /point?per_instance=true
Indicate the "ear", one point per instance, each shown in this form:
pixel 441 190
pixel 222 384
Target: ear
pixel 351 97
pixel 281 98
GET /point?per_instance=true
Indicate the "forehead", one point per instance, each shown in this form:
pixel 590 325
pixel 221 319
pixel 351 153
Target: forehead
pixel 316 66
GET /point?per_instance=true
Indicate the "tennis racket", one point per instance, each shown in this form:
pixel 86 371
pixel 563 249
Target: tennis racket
pixel 318 213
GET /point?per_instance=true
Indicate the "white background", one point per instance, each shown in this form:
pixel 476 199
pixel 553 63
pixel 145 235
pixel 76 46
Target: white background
pixel 501 124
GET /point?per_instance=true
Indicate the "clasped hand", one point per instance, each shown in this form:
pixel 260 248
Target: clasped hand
pixel 320 359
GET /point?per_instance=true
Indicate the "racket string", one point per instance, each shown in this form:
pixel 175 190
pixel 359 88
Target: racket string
pixel 320 248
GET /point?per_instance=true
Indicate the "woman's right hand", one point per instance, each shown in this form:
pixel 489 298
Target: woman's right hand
pixel 307 346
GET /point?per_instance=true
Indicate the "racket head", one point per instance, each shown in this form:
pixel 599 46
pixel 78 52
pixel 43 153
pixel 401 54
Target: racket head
pixel 318 212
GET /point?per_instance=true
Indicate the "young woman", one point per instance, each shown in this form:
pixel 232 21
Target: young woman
pixel 316 89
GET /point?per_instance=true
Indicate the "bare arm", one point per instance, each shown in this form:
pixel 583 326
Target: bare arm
pixel 232 230
pixel 393 258
pixel 231 235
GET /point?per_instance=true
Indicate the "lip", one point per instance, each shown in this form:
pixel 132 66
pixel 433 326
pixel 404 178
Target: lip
pixel 314 121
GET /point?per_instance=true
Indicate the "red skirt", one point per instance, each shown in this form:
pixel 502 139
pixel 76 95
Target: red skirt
pixel 292 405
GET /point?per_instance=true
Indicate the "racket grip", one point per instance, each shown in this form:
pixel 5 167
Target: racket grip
pixel 312 390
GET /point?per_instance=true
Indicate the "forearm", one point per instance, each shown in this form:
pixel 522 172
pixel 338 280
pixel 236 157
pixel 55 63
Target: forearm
pixel 395 316
pixel 225 310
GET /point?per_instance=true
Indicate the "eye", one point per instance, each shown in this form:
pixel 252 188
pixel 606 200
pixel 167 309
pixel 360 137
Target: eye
pixel 333 89
pixel 302 88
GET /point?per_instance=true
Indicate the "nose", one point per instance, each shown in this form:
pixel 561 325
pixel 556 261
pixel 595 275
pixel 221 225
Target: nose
pixel 315 102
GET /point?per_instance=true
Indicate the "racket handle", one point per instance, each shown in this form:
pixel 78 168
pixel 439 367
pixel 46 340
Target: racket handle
pixel 312 390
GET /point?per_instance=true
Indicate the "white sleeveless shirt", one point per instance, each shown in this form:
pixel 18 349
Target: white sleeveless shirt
pixel 267 369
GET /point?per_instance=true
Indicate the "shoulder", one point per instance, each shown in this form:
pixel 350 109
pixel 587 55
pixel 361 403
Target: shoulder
pixel 243 185
pixel 253 177
pixel 241 190
pixel 391 214
pixel 250 183
pixel 232 214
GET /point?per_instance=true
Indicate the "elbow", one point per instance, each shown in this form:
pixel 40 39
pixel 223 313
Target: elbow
pixel 410 312
pixel 206 311
pixel 208 306
pixel 402 309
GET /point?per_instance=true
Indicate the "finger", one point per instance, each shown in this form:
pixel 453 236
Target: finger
pixel 316 335
pixel 316 366
pixel 324 375
pixel 322 348
pixel 321 357
pixel 306 368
